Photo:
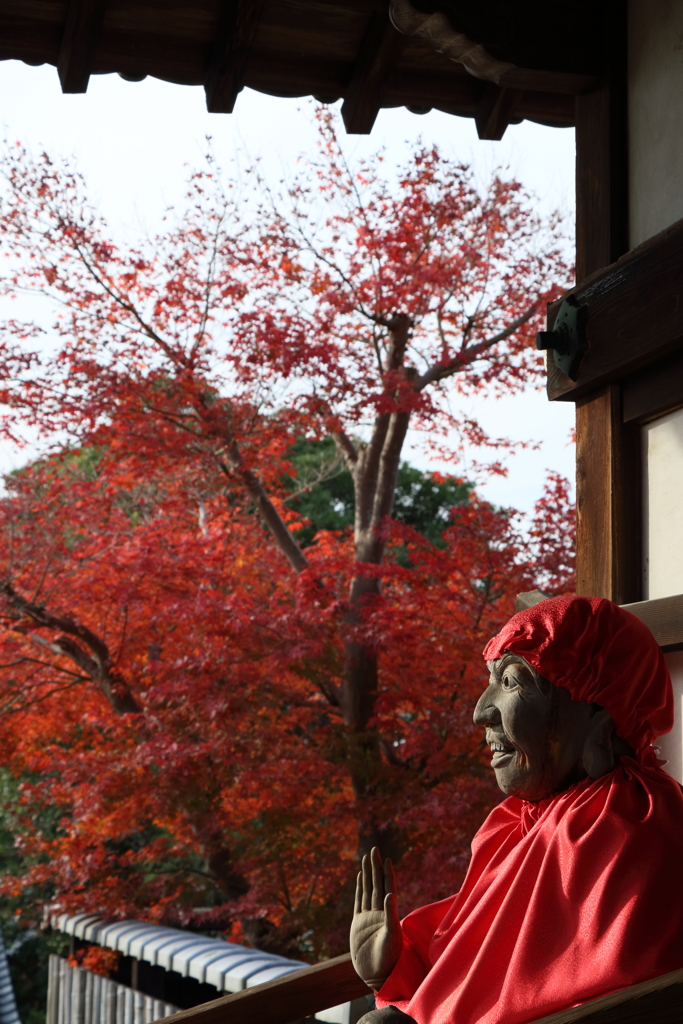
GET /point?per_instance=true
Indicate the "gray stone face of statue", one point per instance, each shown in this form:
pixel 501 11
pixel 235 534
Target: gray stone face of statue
pixel 540 739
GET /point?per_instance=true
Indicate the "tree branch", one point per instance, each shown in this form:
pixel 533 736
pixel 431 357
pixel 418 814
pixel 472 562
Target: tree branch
pixel 389 463
pixel 346 446
pixel 377 469
pixel 269 514
pixel 366 472
pixel 95 662
pixel 441 370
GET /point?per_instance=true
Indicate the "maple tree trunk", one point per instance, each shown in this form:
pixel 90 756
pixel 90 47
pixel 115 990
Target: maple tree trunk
pixel 367 769
pixel 366 766
pixel 220 866
pixel 375 477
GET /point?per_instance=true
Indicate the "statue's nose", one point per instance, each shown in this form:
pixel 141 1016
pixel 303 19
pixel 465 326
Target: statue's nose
pixel 486 712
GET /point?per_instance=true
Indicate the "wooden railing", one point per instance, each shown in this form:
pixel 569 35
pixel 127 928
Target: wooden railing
pixel 313 989
pixel 300 994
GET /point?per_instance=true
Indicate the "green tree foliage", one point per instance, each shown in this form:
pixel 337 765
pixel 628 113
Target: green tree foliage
pixel 324 494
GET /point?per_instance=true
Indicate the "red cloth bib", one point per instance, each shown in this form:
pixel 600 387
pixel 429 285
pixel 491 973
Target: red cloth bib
pixel 580 894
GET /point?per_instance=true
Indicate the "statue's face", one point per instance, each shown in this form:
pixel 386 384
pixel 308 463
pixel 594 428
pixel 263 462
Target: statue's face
pixel 535 731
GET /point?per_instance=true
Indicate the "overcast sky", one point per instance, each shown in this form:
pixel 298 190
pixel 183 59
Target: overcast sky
pixel 134 142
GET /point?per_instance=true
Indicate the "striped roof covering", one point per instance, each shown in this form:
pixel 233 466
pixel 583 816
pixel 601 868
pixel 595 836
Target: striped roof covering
pixel 227 966
pixel 8 1004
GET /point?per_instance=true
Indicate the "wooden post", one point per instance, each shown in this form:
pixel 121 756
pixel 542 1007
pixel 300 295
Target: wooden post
pixel 51 1015
pixel 608 502
pixel 604 566
pixel 112 1000
pixel 89 1002
pixel 65 973
pixel 130 1006
pixel 78 980
pixel 104 1003
pixel 138 1008
pixel 96 1018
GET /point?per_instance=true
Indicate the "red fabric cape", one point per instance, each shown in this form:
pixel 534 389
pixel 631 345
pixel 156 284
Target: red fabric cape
pixel 579 894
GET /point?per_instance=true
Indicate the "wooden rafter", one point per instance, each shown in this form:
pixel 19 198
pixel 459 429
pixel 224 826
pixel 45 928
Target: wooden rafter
pixel 84 19
pixel 495 110
pixel 379 50
pixel 235 37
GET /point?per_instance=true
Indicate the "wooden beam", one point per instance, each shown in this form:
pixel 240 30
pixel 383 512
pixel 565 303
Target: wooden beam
pixel 654 391
pixel 608 499
pixel 299 994
pixel 379 50
pixel 237 29
pixel 495 110
pixel 602 155
pixel 84 20
pixel 635 314
pixel 664 619
pixel 605 524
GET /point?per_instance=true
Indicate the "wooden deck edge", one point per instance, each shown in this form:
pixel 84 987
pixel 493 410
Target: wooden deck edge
pixel 624 995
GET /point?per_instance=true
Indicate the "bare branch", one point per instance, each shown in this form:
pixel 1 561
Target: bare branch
pixel 269 514
pixel 389 463
pixel 94 661
pixel 366 472
pixel 346 446
pixel 441 370
pixel 327 471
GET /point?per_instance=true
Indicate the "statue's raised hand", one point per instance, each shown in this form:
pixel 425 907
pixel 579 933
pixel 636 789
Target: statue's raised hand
pixel 376 939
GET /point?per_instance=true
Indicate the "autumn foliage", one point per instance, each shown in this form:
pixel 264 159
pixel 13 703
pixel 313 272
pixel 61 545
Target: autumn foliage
pixel 208 720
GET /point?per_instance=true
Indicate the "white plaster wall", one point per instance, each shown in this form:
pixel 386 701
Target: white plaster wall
pixel 655 129
pixel 663 506
pixel 671 745
pixel 655 116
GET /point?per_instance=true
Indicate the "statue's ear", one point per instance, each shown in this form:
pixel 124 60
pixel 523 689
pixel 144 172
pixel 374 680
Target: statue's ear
pixel 598 755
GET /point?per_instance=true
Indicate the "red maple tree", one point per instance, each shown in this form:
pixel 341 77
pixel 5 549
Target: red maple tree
pixel 203 712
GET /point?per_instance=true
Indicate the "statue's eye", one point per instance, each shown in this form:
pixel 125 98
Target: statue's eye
pixel 509 682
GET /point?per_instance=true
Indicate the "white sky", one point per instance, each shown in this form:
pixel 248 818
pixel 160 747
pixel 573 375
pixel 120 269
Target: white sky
pixel 134 142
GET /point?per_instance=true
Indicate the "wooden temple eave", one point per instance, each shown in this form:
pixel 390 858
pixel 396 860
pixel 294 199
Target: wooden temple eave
pixel 345 50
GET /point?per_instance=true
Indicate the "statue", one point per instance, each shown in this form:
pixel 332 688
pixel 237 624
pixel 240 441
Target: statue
pixel 575 887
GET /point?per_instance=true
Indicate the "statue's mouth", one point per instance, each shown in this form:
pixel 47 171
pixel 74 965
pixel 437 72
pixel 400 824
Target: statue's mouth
pixel 502 752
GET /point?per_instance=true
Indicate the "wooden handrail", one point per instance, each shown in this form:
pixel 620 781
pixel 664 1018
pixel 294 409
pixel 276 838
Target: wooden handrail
pixel 312 989
pixel 299 994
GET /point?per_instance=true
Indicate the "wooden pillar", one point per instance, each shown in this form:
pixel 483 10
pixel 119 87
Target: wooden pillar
pixel 604 568
pixel 608 499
